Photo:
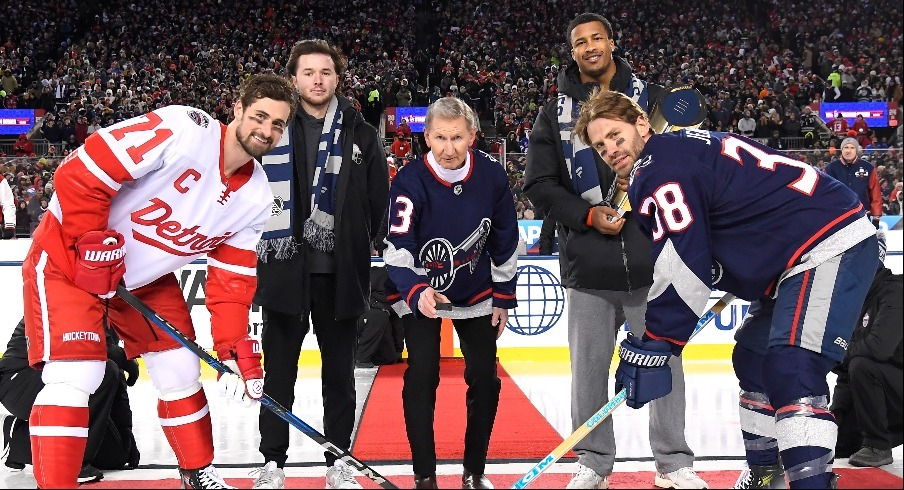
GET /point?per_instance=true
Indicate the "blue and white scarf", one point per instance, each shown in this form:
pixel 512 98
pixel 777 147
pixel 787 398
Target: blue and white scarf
pixel 318 229
pixel 579 158
pixel 279 166
pixel 280 170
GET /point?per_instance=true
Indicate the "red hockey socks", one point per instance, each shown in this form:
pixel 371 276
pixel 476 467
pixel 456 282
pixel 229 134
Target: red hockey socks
pixel 58 438
pixel 185 418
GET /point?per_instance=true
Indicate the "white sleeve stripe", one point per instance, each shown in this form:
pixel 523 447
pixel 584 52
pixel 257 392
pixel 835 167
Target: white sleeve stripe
pixel 96 171
pixel 185 419
pixel 58 431
pixel 238 269
pixel 670 269
pixel 505 272
pixel 400 257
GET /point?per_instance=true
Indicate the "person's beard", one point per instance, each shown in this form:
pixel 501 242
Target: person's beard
pixel 248 145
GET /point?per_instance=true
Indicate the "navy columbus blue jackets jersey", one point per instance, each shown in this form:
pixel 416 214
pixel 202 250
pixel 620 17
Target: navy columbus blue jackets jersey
pixel 458 237
pixel 726 212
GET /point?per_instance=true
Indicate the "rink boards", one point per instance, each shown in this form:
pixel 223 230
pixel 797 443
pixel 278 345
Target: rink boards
pixel 537 329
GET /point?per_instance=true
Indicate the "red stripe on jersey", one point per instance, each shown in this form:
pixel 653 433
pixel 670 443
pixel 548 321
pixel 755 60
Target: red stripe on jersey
pixel 181 408
pixel 228 300
pixel 667 339
pixel 414 290
pixel 154 243
pixel 503 296
pixel 234 256
pixel 764 406
pixel 803 408
pixel 800 304
pixel 437 177
pixel 479 296
pixel 54 415
pixel 394 296
pixel 86 177
pixel 449 184
pixel 103 157
pixel 819 234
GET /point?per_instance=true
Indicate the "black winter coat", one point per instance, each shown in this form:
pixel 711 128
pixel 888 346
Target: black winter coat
pixel 881 338
pixel 587 258
pixel 362 197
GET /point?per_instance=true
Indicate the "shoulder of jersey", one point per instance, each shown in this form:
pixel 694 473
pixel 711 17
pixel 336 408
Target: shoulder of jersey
pixel 490 159
pixel 188 118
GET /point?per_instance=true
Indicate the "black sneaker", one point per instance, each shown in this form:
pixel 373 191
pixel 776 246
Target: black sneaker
pixel 206 477
pixel 870 456
pixel 89 474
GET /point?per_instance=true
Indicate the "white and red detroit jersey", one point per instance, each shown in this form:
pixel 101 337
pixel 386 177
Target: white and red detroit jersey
pixel 158 179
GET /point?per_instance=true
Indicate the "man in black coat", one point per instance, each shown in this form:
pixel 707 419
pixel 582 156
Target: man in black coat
pixel 869 395
pixel 316 268
pixel 604 258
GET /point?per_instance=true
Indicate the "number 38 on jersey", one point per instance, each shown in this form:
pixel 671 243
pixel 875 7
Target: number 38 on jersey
pixel 668 203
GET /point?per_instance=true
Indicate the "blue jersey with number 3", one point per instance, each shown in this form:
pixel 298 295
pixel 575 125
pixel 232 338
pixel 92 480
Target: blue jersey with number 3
pixel 726 212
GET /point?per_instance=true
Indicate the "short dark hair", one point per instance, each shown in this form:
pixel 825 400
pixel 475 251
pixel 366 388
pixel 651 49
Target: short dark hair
pixel 586 18
pixel 310 46
pixel 269 86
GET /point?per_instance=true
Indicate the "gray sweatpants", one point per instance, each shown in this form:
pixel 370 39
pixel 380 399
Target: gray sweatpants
pixel 594 317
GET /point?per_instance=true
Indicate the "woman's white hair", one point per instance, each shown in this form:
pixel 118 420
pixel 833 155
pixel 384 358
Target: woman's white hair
pixel 450 108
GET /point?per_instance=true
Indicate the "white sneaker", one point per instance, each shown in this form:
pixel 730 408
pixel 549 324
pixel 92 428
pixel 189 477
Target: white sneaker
pixel 587 478
pixel 680 478
pixel 269 476
pixel 341 475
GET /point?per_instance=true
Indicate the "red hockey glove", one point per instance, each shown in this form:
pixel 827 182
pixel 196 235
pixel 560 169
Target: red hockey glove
pixel 100 262
pixel 243 357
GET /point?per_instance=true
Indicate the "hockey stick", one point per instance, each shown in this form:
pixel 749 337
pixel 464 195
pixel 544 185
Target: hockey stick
pixel 607 409
pixel 265 400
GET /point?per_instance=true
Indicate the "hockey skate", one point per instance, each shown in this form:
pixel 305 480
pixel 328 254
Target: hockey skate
pixel 206 477
pixel 772 476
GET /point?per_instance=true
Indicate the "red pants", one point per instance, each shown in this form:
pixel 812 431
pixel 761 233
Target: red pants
pixel 63 322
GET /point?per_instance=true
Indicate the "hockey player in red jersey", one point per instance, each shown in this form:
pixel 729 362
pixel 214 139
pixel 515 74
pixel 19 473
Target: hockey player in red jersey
pixel 724 211
pixel 167 187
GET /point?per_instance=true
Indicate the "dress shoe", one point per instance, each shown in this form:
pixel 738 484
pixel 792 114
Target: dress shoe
pixel 425 481
pixel 474 480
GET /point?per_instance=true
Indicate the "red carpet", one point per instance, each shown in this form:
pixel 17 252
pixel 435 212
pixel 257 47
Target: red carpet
pixel 520 431
pixel 850 478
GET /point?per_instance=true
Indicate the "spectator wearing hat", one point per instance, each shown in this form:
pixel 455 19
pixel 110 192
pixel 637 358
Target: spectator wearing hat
pixel 859 175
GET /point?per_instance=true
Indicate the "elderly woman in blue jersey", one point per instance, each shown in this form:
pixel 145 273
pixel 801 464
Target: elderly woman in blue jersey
pixel 451 253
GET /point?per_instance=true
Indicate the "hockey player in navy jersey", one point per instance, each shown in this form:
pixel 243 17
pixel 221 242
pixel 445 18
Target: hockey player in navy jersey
pixel 451 253
pixel 725 212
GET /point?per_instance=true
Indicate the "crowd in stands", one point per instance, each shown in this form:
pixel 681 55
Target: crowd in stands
pixel 758 63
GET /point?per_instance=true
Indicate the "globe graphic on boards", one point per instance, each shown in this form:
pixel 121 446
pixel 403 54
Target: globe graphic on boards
pixel 541 301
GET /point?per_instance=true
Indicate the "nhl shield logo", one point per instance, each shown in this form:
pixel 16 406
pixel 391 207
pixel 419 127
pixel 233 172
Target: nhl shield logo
pixel 278 206
pixel 457 189
pixel 356 155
